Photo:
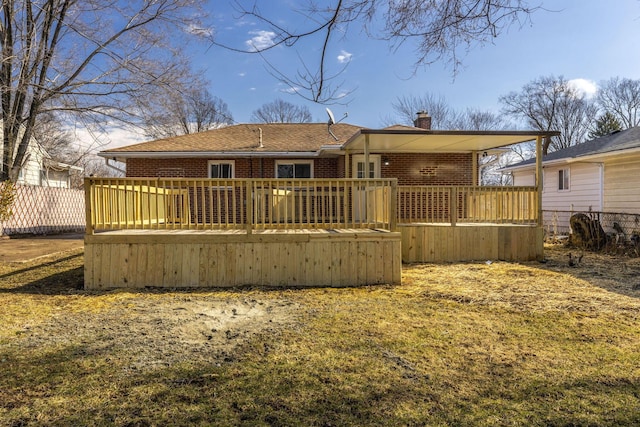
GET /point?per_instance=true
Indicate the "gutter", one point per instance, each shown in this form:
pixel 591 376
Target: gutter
pixel 217 154
pixel 590 158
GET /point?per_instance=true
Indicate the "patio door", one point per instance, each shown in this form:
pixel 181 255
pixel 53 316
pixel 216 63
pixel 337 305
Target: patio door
pixel 359 170
pixel 362 171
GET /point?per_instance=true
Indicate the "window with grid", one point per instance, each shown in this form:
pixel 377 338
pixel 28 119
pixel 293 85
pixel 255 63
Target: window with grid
pixel 221 169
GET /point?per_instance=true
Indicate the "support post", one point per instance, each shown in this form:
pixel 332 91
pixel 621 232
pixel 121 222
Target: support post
pixel 366 157
pixel 474 168
pixel 249 205
pixel 347 165
pixel 539 177
pixel 453 206
pixel 393 215
pixel 89 228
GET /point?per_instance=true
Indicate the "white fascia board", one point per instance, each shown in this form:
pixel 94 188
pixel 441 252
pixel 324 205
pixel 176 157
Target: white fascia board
pixel 592 158
pixel 206 154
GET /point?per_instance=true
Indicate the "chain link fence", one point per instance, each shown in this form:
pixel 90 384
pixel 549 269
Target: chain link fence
pixel 45 210
pixel 622 229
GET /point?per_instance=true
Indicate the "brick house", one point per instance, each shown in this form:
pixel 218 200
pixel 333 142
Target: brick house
pixel 306 203
pixel 293 150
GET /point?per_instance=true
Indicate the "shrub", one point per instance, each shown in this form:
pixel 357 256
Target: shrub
pixel 7 196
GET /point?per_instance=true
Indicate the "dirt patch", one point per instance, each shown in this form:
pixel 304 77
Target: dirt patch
pixel 46 307
pixel 162 331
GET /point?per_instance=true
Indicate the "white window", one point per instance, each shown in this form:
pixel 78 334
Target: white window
pixel 221 169
pixel 294 169
pixel 563 179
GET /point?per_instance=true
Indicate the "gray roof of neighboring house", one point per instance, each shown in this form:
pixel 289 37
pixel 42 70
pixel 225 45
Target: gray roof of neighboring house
pixel 616 141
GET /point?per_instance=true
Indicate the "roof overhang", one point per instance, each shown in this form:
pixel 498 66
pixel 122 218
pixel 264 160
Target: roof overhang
pixel 590 158
pixel 121 156
pixel 434 141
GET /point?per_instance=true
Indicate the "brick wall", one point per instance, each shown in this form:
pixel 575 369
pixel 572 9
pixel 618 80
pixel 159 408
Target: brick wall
pixel 244 168
pixel 409 168
pixel 429 168
pixel 167 168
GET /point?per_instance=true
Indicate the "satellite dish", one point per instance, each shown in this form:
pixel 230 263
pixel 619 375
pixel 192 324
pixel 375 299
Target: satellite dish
pixel 332 119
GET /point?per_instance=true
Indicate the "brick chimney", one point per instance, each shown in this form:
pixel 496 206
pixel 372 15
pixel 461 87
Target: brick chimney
pixel 423 120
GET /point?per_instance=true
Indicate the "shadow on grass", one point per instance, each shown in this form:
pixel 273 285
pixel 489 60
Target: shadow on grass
pixel 47 278
pixel 262 392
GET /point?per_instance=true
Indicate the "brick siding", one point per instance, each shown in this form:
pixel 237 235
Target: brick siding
pixel 409 168
pixel 429 168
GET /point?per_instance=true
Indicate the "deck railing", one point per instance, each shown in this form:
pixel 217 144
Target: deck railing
pixel 467 204
pixel 249 204
pixel 254 204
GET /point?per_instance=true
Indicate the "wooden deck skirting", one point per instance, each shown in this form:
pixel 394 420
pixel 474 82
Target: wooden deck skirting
pixel 222 259
pixel 471 242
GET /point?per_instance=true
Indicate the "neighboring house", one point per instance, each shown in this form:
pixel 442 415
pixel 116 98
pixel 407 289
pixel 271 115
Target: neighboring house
pixel 601 175
pixel 39 169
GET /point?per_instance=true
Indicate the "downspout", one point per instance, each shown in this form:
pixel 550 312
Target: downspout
pixel 109 165
pixel 601 186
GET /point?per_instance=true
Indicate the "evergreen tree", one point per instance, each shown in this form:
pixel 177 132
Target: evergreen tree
pixel 605 124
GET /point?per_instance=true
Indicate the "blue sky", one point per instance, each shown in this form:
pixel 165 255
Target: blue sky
pixel 592 40
pixel 586 40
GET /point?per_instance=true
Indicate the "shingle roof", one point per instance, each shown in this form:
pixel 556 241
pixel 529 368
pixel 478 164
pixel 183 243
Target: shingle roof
pixel 276 137
pixel 617 141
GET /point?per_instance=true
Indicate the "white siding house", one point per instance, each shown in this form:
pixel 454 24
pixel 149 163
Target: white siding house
pixel 39 169
pixel 601 175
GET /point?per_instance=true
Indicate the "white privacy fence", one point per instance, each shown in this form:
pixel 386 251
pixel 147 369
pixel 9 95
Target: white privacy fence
pixel 45 210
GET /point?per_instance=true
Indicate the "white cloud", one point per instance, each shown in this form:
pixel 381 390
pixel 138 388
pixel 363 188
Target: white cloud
pixel 586 87
pixel 106 138
pixel 261 40
pixel 290 89
pixel 344 57
pixel 242 74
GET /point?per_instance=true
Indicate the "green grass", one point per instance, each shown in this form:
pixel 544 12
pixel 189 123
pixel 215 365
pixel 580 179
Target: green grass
pixel 468 344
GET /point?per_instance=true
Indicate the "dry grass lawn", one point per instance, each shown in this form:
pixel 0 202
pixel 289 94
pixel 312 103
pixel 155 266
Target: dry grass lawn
pixel 457 344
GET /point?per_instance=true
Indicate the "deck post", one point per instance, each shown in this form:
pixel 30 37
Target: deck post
pixel 453 206
pixel 393 214
pixel 88 183
pixel 539 178
pixel 249 205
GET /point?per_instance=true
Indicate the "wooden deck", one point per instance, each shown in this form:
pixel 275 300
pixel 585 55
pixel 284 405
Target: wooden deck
pixel 314 232
pixel 224 258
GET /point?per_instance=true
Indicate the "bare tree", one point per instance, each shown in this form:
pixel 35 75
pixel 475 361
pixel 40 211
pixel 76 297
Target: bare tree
pixel 441 30
pixel 280 111
pixel 550 103
pixel 187 110
pixel 476 119
pixel 406 107
pixel 621 97
pixel 89 58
